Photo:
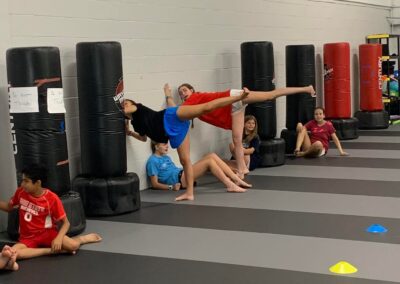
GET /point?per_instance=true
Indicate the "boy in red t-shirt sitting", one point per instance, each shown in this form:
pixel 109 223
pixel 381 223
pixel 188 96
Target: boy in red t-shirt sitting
pixel 317 143
pixel 40 213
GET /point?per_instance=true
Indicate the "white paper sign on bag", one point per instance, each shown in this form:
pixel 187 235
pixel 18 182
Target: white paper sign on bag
pixel 55 100
pixel 24 99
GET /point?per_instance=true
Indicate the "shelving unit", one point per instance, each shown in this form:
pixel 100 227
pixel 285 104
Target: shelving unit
pixel 390 62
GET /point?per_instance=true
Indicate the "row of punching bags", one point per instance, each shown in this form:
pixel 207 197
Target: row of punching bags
pixel 337 92
pixel 258 75
pixel 104 188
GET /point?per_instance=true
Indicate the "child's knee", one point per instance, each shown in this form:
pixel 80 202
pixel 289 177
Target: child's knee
pixel 207 155
pixel 318 145
pixel 212 163
pixel 299 127
pixel 213 156
pixel 73 245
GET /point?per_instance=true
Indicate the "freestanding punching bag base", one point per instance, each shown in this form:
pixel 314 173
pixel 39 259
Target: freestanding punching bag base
pixel 372 119
pixel 73 208
pixel 109 196
pixel 346 128
pixel 290 137
pixel 272 152
pixel 13 224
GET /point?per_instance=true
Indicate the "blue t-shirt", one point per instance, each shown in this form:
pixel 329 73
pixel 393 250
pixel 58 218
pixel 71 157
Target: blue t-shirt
pixel 163 168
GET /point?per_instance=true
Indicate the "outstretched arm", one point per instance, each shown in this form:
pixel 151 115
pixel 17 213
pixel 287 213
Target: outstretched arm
pixel 338 145
pixel 133 133
pixel 137 136
pixel 168 96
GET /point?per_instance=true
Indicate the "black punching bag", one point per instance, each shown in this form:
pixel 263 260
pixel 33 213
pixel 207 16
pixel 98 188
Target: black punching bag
pixel 258 75
pixel 104 185
pixel 39 137
pixel 300 72
pixel 102 128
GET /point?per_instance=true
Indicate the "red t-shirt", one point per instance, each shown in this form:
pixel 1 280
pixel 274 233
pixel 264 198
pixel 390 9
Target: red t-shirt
pixel 220 117
pixel 33 212
pixel 320 133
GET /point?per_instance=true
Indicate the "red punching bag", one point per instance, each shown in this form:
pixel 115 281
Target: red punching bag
pixel 370 77
pixel 337 80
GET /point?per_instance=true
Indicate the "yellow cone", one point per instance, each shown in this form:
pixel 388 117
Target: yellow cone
pixel 343 267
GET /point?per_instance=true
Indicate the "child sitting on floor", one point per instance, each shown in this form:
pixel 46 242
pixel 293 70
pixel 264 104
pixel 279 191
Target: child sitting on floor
pixel 317 143
pixel 40 213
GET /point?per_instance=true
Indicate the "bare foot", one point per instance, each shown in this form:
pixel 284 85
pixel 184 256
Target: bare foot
pixel 12 264
pixel 8 258
pixel 311 91
pixel 245 93
pixel 185 196
pixel 242 183
pixel 299 153
pixel 89 238
pixel 234 188
pixel 7 251
pixel 240 175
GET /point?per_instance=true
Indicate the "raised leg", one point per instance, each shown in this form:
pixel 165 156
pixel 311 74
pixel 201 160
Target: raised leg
pixel 187 112
pixel 257 96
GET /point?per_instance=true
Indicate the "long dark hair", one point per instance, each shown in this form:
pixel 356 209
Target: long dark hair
pixel 254 133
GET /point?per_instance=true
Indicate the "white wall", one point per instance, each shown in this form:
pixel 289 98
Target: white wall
pixel 176 41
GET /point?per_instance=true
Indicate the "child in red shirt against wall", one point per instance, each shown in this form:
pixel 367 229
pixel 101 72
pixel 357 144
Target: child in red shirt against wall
pixel 40 214
pixel 316 144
